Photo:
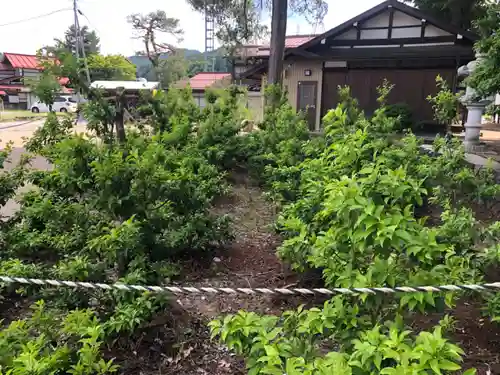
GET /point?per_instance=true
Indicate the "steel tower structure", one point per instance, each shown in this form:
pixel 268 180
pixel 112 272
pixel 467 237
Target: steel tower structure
pixel 209 35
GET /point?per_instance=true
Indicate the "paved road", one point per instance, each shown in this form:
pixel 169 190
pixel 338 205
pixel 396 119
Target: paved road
pixel 14 132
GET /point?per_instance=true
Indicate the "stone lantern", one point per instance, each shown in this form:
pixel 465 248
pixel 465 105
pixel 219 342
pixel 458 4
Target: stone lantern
pixel 475 108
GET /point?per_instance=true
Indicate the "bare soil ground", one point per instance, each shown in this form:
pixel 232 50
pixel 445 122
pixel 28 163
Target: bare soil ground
pixel 250 261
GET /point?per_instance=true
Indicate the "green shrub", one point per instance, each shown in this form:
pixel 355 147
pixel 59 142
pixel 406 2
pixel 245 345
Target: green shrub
pixel 403 113
pixel 350 211
pixel 46 343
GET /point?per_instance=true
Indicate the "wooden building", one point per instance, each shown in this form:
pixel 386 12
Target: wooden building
pixel 15 70
pixel 391 41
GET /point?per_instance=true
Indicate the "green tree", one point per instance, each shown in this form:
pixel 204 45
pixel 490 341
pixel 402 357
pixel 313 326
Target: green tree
pixel 460 13
pixel 173 68
pixel 111 67
pixel 486 77
pixel 147 27
pixel 91 41
pixel 239 21
pixel 46 87
pixel 195 66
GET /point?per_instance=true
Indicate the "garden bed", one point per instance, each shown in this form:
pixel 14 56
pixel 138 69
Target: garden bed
pixel 250 261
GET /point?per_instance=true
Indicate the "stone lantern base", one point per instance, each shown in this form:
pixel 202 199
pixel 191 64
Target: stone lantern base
pixel 473 127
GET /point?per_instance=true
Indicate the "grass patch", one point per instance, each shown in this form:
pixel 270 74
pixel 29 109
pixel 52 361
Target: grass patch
pixel 15 115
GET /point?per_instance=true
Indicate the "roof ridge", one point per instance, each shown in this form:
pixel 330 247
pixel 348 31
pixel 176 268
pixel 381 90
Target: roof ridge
pixel 19 54
pixel 212 73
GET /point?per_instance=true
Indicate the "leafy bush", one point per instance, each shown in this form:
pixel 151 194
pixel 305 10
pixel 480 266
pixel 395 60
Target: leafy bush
pixel 46 343
pixel 351 212
pixel 292 344
pixel 53 131
pixel 351 200
pixel 445 103
pixel 110 212
pixel 403 113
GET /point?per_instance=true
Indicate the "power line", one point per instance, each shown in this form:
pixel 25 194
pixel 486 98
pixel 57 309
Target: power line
pixel 35 17
pixel 88 20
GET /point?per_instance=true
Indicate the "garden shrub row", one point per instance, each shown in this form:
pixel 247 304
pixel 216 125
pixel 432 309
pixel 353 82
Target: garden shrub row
pixel 354 205
pixel 111 212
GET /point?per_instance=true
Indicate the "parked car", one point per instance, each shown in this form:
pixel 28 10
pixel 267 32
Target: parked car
pixel 61 104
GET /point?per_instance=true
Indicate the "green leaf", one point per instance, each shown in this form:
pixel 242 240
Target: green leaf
pixel 444 364
pixel 471 371
pixel 271 351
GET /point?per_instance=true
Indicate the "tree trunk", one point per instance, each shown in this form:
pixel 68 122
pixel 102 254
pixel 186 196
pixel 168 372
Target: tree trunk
pixel 233 70
pixel 120 118
pixel 278 33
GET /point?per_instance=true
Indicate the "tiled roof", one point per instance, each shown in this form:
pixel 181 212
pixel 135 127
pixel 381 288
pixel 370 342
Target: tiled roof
pixel 294 41
pixel 206 79
pixel 291 41
pixel 297 40
pixel 19 61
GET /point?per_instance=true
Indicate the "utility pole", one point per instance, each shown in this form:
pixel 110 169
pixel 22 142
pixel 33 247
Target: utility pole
pixel 209 35
pixel 77 33
pixel 78 45
pixel 77 54
pixel 80 37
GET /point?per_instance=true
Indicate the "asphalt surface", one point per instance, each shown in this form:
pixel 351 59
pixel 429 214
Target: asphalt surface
pixel 15 132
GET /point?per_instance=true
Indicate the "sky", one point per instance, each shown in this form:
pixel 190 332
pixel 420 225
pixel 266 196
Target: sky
pixel 108 19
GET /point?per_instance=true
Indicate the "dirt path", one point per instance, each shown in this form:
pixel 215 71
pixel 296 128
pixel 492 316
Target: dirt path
pixel 250 261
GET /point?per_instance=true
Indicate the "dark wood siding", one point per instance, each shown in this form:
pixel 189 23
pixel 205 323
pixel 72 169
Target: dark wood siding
pixel 331 81
pixel 412 86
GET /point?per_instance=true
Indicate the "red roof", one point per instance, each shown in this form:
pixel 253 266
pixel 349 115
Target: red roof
pixel 11 87
pixel 19 61
pixel 291 41
pixel 3 92
pixel 206 79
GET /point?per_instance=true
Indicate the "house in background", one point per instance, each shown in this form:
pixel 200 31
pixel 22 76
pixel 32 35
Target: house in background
pixel 205 80
pixel 391 41
pixel 14 70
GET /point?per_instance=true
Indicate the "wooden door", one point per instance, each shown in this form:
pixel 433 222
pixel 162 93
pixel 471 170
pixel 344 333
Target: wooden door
pixel 307 97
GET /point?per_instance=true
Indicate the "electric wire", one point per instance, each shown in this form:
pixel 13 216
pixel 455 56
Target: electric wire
pixel 35 17
pixel 88 20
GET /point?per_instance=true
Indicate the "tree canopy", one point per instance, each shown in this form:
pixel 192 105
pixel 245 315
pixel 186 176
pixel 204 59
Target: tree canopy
pixel 111 67
pixel 486 77
pixel 91 41
pixel 147 27
pixel 460 13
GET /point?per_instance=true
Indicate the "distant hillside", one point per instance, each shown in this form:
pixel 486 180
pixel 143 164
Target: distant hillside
pixel 144 65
